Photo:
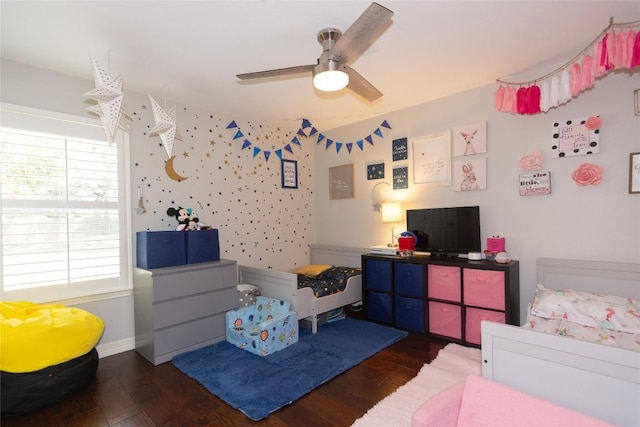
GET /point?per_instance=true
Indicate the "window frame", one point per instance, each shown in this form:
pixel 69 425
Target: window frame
pixel 23 120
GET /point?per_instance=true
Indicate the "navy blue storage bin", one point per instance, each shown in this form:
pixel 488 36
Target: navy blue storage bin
pixel 409 279
pixel 157 249
pixel 202 246
pixel 379 307
pixel 378 275
pixel 409 313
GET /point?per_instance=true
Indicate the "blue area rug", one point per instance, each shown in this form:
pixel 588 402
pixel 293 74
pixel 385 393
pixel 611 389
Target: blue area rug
pixel 258 386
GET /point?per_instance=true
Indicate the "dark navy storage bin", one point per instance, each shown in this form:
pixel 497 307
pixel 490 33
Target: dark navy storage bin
pixel 378 275
pixel 409 279
pixel 202 246
pixel 157 249
pixel 379 307
pixel 409 313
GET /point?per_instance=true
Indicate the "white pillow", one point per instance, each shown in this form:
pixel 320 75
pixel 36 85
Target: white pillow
pixel 588 308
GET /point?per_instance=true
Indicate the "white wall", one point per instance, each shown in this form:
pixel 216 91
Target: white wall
pixel 597 222
pixel 259 222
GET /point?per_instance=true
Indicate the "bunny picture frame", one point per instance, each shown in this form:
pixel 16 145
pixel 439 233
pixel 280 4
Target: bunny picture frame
pixel 470 174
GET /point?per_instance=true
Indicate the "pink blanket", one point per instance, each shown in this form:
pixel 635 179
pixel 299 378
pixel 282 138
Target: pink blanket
pixel 480 402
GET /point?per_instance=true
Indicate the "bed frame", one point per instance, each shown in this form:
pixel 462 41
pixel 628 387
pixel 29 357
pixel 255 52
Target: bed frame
pixel 595 379
pixel 284 285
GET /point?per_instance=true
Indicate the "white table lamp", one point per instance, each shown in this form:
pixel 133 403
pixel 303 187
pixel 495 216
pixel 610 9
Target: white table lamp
pixel 391 212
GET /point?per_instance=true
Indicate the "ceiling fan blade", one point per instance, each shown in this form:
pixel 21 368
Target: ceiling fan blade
pixel 277 72
pixel 360 85
pixel 357 38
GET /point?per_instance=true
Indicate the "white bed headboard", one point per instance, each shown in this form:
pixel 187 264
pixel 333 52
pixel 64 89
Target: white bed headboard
pixel 339 256
pixel 611 278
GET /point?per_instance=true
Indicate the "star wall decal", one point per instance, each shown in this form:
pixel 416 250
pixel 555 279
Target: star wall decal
pixel 110 105
pixel 165 126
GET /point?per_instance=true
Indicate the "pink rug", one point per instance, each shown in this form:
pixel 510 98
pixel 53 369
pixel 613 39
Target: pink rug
pixel 452 365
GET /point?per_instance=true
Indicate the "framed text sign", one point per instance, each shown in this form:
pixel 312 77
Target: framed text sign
pixel 341 182
pixel 432 159
pixel 289 173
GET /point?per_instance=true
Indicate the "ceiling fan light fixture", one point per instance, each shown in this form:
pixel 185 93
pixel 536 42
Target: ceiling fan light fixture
pixel 328 78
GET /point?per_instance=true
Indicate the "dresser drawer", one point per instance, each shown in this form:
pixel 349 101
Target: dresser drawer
pixel 445 319
pixel 409 313
pixel 408 279
pixel 379 306
pixel 473 318
pixel 484 288
pixel 444 282
pixel 378 275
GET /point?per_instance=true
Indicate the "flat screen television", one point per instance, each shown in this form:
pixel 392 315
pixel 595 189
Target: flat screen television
pixel 446 231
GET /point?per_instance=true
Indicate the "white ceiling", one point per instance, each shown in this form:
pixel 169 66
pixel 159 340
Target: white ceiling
pixel 190 51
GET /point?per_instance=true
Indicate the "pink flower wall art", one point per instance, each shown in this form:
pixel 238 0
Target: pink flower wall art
pixel 587 174
pixel 531 162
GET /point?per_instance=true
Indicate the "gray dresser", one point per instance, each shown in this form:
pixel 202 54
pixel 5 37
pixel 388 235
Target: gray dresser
pixel 182 308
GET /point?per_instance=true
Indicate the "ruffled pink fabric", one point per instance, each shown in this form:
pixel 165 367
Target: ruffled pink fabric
pixel 498 98
pixel 575 79
pixel 523 100
pixel 598 69
pixel 611 40
pixel 510 100
pixel 554 91
pixel 534 99
pixel 604 54
pixel 630 37
pixel 587 72
pixel 635 56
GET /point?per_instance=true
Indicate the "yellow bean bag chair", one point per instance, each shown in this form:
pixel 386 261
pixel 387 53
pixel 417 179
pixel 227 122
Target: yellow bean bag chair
pixel 46 352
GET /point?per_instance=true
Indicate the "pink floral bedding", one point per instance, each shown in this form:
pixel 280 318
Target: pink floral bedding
pixel 587 316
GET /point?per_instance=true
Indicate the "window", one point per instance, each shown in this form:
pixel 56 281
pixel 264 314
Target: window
pixel 63 207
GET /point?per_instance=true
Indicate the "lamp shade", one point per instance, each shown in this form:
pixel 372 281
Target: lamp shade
pixel 391 212
pixel 328 77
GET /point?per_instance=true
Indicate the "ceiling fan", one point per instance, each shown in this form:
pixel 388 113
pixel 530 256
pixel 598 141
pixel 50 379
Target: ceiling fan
pixel 331 72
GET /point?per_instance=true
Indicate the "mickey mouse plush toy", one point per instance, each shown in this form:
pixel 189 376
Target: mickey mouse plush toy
pixel 187 218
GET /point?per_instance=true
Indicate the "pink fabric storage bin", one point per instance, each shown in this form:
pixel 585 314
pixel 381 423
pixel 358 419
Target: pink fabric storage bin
pixel 443 282
pixel 483 288
pixel 445 319
pixel 472 323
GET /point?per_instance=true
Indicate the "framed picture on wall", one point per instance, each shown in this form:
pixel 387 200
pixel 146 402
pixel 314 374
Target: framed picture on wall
pixel 432 159
pixel 634 173
pixel 341 182
pixel 289 173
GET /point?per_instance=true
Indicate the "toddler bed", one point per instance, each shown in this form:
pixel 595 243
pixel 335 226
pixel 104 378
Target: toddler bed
pixel 580 345
pixel 310 300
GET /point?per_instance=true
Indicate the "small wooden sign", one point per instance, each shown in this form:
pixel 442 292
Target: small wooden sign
pixel 535 183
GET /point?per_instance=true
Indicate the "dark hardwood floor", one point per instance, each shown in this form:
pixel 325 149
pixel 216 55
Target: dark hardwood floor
pixel 130 391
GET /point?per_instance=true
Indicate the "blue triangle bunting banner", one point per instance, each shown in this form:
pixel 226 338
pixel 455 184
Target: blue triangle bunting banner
pixel 256 150
pixel 369 138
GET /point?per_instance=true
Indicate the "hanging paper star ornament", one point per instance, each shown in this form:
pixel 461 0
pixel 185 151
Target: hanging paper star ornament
pixel 110 105
pixel 165 126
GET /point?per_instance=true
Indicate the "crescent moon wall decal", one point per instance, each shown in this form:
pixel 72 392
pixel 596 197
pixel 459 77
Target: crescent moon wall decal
pixel 171 172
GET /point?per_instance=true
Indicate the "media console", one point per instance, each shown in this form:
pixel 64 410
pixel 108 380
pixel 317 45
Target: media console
pixel 441 296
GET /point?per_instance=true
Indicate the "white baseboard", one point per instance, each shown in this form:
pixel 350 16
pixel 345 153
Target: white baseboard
pixel 115 347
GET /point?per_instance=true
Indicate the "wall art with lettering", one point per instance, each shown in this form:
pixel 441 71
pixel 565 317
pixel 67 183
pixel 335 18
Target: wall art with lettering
pixel 399 149
pixel 535 183
pixel 576 137
pixel 401 178
pixel 432 159
pixel 341 182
